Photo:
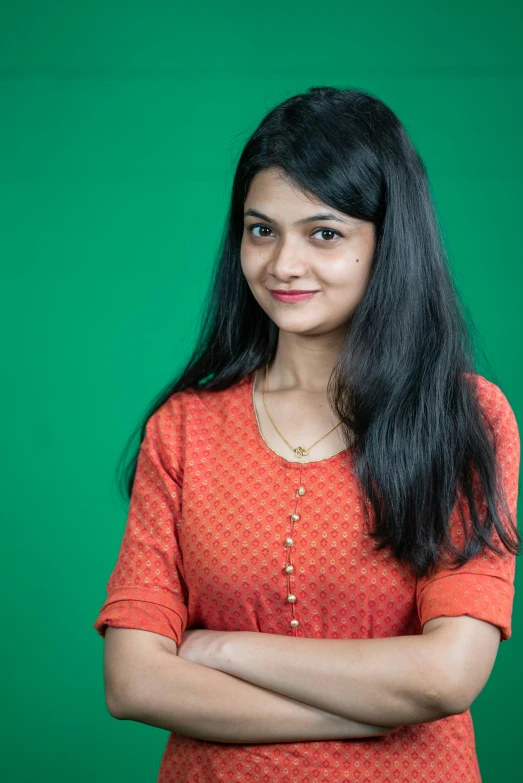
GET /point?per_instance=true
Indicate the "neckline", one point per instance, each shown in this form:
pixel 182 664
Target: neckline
pixel 253 420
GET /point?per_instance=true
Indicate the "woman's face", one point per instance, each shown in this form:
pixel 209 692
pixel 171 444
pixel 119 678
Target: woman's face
pixel 279 250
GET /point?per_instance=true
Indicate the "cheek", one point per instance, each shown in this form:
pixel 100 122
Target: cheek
pixel 251 263
pixel 245 261
pixel 346 283
pixel 343 272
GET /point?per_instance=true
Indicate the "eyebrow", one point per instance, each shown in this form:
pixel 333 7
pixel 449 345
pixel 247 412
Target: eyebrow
pixel 302 222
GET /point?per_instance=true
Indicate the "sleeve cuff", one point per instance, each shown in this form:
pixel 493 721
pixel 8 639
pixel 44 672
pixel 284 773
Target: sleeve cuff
pixel 488 598
pixel 146 613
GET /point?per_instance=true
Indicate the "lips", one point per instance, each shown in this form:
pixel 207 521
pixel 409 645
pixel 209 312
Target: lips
pixel 292 296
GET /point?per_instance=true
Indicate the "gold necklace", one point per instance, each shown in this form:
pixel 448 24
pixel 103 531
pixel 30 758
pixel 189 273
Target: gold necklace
pixel 300 451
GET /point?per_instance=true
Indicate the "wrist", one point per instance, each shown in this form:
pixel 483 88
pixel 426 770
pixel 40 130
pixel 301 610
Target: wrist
pixel 218 649
pixel 221 651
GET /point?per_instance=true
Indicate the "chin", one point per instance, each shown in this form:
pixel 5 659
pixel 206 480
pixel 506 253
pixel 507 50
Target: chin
pixel 300 328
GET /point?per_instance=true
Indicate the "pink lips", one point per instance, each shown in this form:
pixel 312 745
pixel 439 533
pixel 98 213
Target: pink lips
pixel 288 296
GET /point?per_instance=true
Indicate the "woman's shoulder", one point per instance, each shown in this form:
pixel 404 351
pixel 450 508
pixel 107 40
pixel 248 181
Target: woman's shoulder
pixel 190 418
pixel 493 402
pixel 197 406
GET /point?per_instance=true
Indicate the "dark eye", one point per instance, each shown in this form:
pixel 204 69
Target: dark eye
pixel 265 228
pixel 328 231
pixel 262 227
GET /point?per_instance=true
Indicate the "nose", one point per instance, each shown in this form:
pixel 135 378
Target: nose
pixel 286 261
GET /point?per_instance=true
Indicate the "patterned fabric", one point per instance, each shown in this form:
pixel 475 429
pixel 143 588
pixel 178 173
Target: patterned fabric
pixel 204 546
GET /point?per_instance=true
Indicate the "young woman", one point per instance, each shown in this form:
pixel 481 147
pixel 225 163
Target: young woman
pixel 318 563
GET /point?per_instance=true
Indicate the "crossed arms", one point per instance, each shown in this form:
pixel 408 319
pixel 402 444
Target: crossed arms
pixel 254 687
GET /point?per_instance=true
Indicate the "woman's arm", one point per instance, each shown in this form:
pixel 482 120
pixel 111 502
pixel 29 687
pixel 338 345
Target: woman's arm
pixel 189 699
pixel 396 681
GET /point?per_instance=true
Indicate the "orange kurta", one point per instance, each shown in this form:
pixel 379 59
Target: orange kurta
pixel 204 546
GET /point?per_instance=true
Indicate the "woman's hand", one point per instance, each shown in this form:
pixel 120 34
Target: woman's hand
pixel 202 646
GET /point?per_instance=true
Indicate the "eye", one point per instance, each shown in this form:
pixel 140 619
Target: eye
pixel 263 227
pixel 328 231
pixel 258 225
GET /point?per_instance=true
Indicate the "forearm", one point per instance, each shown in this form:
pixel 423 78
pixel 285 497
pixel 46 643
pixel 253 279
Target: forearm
pixel 394 681
pixel 189 699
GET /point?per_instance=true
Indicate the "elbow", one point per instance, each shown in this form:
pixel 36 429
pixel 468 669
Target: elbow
pixel 444 687
pixel 456 703
pixel 441 700
pixel 114 705
pixel 454 699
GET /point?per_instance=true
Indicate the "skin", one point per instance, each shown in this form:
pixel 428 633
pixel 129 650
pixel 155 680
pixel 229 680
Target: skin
pixel 332 257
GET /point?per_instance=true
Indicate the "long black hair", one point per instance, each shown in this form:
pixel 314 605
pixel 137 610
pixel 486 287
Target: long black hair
pixel 402 384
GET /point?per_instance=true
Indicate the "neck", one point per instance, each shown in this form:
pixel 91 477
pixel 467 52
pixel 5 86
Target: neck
pixel 304 363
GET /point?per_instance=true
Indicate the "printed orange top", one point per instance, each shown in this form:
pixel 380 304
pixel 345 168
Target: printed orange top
pixel 204 546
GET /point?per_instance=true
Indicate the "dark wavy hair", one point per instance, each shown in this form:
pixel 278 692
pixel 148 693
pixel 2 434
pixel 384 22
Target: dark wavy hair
pixel 403 381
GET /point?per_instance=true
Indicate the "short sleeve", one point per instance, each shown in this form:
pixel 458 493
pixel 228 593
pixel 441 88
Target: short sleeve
pixel 146 589
pixel 483 587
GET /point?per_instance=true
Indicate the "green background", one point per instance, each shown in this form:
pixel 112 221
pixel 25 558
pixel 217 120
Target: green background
pixel 121 126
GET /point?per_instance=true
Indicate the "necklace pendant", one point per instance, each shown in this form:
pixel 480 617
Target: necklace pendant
pixel 301 451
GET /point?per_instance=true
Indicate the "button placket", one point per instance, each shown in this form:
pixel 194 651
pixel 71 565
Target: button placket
pixel 289 567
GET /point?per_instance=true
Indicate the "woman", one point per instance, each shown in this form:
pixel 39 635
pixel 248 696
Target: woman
pixel 318 563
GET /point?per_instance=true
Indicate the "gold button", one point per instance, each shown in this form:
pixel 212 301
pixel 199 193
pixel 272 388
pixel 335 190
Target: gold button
pixel 294 623
pixel 289 542
pixel 300 491
pixel 291 598
pixel 295 517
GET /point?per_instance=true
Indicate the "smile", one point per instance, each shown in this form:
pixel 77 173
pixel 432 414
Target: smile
pixel 292 297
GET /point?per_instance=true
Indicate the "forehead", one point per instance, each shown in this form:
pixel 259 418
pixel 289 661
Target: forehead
pixel 276 184
pixel 271 191
pixel 275 197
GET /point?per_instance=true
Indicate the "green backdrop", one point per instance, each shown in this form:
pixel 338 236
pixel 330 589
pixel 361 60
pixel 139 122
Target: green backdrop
pixel 121 127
